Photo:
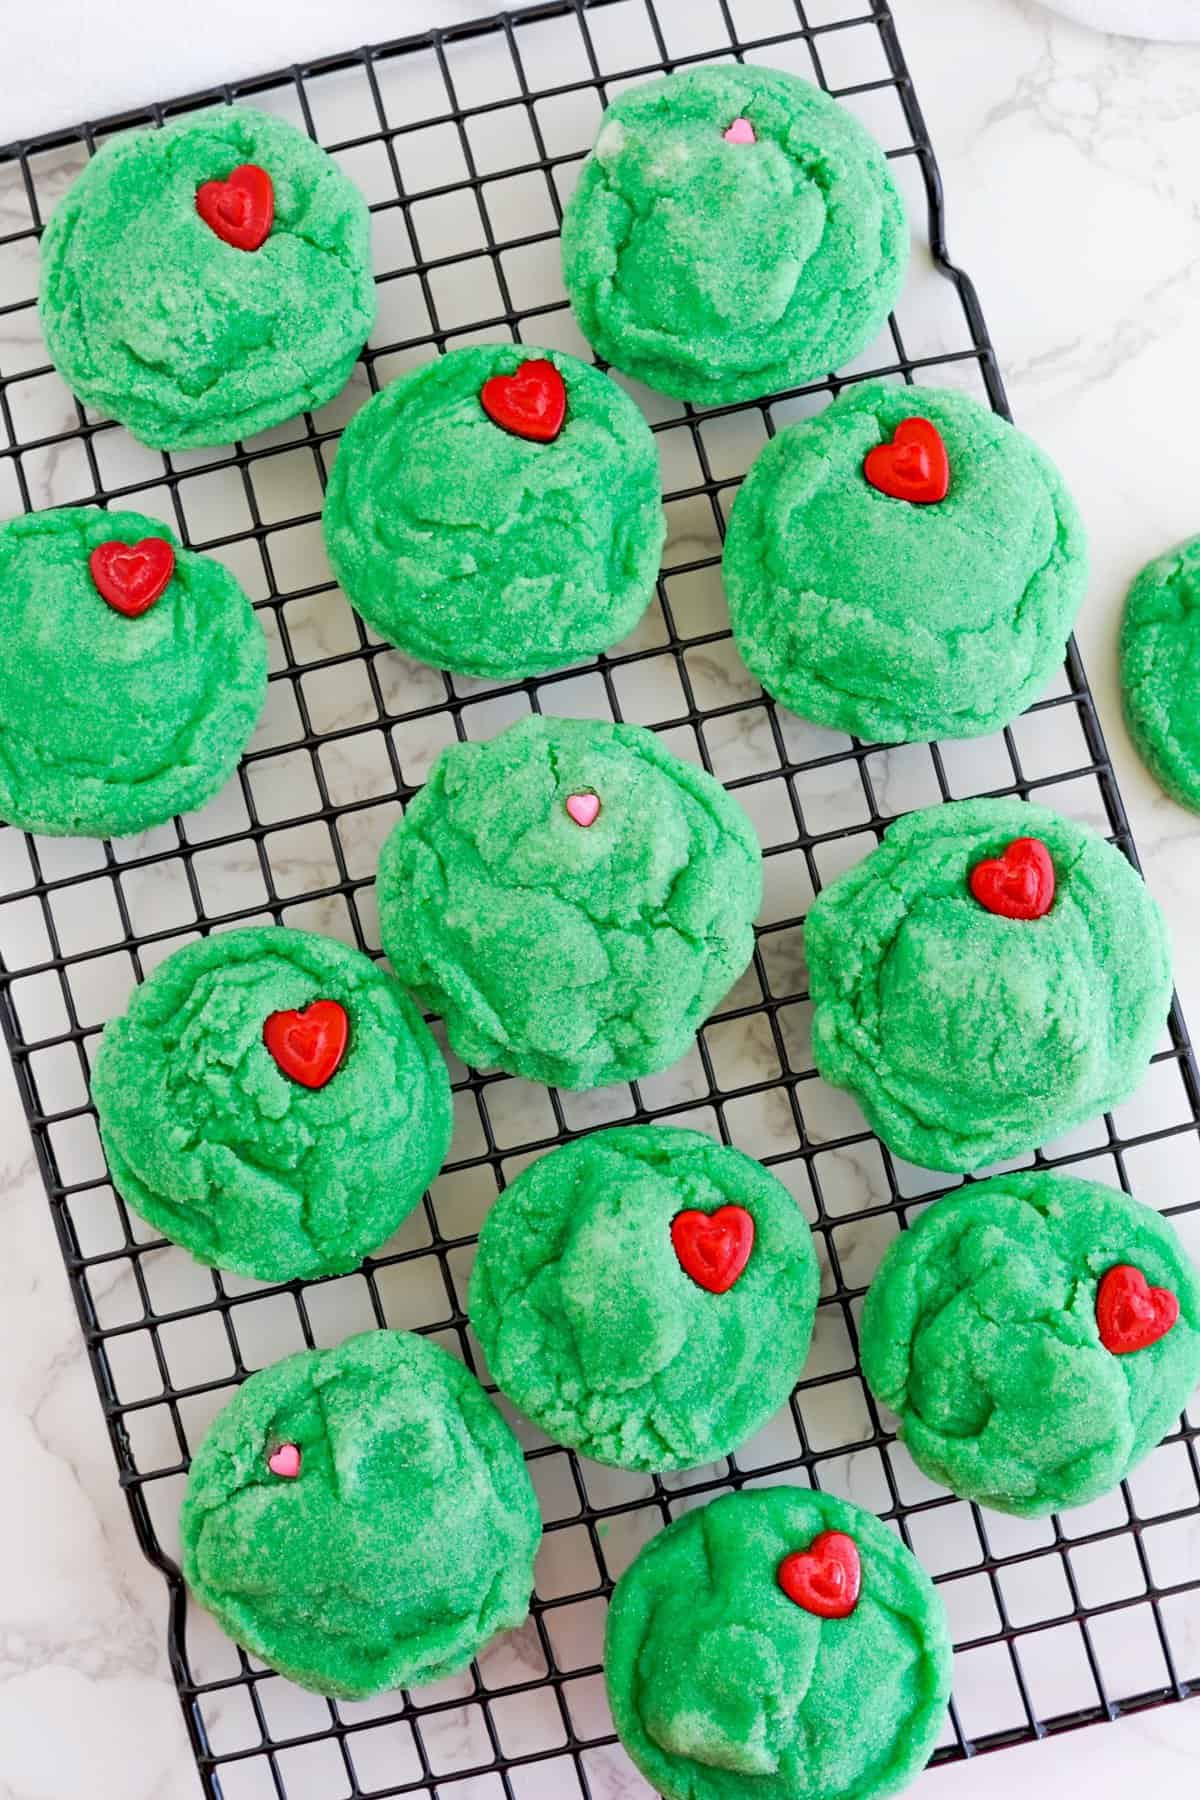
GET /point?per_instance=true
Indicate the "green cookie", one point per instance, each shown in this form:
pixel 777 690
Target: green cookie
pixel 718 270
pixel 114 722
pixel 722 1686
pixel 573 899
pixel 982 1330
pixel 395 1533
pixel 187 339
pixel 481 550
pixel 616 1341
pixel 1160 670
pixel 892 618
pixel 234 1153
pixel 968 1036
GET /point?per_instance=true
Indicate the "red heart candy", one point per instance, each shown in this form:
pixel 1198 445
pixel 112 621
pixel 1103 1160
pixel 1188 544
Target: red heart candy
pixel 713 1248
pixel 531 404
pixel 309 1045
pixel 914 466
pixel 1018 884
pixel 824 1579
pixel 131 577
pixel 241 209
pixel 1130 1313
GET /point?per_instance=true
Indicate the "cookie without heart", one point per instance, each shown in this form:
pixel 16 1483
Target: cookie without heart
pixel 207 280
pixel 132 672
pixel 593 1324
pixel 967 1035
pixel 870 598
pixel 734 231
pixel 498 512
pixel 1160 670
pixel 273 1101
pixel 361 1518
pixel 999 1329
pixel 777 1643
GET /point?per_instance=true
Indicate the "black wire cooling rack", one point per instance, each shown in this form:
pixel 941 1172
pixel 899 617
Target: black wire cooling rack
pixel 466 141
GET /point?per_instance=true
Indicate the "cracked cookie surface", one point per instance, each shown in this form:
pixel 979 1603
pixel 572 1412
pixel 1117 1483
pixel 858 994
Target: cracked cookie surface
pixel 400 1539
pixel 980 1332
pixel 722 1686
pixel 719 271
pixel 217 1147
pixel 967 1036
pixel 110 724
pixel 591 1325
pixel 150 317
pixel 899 621
pixel 1160 670
pixel 485 552
pixel 574 954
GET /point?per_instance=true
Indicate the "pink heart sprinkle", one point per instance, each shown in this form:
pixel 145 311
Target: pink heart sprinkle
pixel 740 132
pixel 584 808
pixel 285 1461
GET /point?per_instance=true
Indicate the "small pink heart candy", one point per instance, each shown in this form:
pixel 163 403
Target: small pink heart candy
pixel 285 1461
pixel 740 132
pixel 584 808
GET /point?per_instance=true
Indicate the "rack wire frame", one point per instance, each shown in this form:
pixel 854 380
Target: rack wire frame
pixel 817 25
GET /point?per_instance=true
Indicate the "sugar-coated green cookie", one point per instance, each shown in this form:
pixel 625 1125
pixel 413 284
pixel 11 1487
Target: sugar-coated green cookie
pixel 972 1028
pixel 573 899
pixel 646 1295
pixel 752 1650
pixel 506 542
pixel 1160 670
pixel 894 618
pixel 1016 1331
pixel 273 1101
pixel 361 1518
pixel 114 720
pixel 734 231
pixel 188 338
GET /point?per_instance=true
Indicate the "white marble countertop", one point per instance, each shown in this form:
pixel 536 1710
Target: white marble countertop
pixel 1072 164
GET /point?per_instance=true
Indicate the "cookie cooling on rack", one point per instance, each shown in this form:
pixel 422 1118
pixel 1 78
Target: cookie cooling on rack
pixel 1037 1336
pixel 573 899
pixel 646 1295
pixel 903 566
pixel 780 1643
pixel 734 231
pixel 273 1101
pixel 989 978
pixel 498 512
pixel 1160 670
pixel 132 673
pixel 207 280
pixel 361 1518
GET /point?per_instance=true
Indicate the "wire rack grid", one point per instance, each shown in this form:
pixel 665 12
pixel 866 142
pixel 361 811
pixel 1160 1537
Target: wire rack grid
pixel 466 142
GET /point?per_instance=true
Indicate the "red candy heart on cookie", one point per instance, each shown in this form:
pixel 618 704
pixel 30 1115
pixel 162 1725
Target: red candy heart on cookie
pixel 531 404
pixel 131 577
pixel 1130 1314
pixel 241 209
pixel 914 466
pixel 713 1248
pixel 309 1045
pixel 825 1579
pixel 1019 884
